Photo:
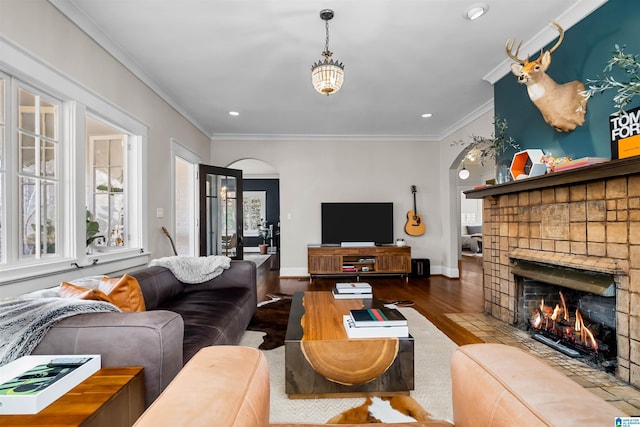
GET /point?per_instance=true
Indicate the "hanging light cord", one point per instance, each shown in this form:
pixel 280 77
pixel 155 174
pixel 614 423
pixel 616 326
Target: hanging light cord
pixel 326 52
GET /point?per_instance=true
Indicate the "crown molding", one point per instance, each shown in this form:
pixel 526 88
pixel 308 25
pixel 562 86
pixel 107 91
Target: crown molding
pixel 464 121
pixel 568 19
pixel 322 138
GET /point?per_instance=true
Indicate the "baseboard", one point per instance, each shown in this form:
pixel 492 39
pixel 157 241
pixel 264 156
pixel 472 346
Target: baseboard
pixel 451 273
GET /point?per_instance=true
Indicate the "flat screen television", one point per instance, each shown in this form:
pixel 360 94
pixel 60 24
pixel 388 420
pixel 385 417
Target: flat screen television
pixel 357 222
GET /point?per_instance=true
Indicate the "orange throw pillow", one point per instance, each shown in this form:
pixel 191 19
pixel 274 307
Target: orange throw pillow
pixel 69 290
pixel 124 292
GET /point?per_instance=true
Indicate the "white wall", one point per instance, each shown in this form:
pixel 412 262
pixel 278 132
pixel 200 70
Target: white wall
pixel 37 27
pixel 312 172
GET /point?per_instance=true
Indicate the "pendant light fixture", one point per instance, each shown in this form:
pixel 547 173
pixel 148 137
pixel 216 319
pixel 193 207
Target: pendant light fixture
pixel 464 172
pixel 327 75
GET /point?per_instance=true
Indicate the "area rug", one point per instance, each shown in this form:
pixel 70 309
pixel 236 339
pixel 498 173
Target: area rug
pixel 433 351
pixel 271 318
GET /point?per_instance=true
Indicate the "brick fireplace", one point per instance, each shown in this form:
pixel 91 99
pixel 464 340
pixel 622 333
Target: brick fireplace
pixel 586 219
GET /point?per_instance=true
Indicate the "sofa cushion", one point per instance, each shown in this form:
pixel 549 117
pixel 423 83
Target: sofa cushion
pixel 69 290
pixel 125 293
pixel 158 285
pixel 495 384
pixel 211 317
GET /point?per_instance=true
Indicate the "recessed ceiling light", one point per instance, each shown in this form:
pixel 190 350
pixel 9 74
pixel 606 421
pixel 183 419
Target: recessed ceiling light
pixel 475 11
pixel 234 113
pixel 427 115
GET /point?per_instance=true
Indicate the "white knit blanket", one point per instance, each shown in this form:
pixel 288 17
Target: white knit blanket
pixel 194 269
pixel 25 321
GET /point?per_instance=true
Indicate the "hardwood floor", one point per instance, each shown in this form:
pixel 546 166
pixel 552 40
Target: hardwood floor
pixel 434 296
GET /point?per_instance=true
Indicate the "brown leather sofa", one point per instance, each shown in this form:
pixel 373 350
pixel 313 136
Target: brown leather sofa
pixel 179 320
pixel 493 385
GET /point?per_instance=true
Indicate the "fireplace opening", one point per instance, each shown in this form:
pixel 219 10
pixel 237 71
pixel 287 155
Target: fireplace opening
pixel 576 322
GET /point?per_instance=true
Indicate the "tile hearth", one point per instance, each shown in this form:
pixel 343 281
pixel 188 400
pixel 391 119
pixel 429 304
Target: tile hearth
pixel 491 330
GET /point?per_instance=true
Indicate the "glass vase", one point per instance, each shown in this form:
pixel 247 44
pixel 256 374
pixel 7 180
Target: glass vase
pixel 503 174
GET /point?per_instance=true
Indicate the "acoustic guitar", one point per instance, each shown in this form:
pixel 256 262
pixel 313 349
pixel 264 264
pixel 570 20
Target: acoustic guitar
pixel 415 225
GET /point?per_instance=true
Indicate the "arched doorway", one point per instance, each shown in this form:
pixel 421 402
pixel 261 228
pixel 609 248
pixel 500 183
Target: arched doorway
pixel 261 193
pixel 468 212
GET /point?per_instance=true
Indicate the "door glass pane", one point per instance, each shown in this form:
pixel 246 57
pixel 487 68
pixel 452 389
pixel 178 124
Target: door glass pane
pixel 212 208
pixel 228 236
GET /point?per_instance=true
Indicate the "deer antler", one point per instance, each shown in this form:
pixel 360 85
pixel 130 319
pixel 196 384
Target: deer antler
pixel 509 46
pixel 509 49
pixel 560 38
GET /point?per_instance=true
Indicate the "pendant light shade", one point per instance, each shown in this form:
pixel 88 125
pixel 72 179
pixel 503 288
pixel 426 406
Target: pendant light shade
pixel 464 172
pixel 327 74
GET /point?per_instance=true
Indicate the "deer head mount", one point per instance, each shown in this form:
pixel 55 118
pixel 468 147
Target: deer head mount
pixel 562 105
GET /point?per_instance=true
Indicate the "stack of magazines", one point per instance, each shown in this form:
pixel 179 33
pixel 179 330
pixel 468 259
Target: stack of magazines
pixel 352 290
pixel 376 323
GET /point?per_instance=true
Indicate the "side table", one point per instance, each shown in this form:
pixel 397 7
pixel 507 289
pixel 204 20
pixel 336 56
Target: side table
pixel 112 397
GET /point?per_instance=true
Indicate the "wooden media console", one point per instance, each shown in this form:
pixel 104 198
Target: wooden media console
pixel 325 260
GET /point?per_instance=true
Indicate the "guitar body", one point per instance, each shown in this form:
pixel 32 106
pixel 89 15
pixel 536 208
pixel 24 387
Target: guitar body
pixel 414 226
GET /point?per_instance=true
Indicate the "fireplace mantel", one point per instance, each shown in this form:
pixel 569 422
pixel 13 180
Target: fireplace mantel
pixel 608 169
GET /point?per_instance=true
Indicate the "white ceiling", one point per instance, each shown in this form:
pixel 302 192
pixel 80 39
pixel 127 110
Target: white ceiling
pixel 402 58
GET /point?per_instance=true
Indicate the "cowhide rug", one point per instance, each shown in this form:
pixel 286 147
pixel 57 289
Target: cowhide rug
pixel 272 318
pixel 383 410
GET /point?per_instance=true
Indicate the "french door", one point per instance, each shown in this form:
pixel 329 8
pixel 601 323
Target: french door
pixel 220 211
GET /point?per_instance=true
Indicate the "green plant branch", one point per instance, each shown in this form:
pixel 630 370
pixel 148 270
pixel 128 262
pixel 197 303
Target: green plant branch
pixel 625 90
pixel 491 147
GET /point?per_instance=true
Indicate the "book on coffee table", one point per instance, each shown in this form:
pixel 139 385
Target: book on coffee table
pixel 353 288
pixel 377 317
pixel 338 295
pixel 373 332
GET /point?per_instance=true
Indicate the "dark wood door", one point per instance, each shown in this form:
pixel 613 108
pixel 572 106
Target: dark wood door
pixel 220 211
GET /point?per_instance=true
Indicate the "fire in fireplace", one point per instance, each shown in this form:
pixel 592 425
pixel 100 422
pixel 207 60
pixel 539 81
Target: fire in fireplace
pixel 568 328
pixel 576 322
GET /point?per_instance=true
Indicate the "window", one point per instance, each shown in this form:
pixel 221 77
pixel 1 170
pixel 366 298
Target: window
pixel 37 136
pixel 3 126
pixel 71 171
pixel 113 220
pixel 106 186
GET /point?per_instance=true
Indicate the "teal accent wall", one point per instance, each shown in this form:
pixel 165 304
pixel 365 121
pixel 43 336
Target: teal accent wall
pixel 583 55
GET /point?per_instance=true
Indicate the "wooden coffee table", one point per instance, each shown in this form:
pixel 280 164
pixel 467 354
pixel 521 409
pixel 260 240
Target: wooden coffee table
pixel 321 361
pixel 111 397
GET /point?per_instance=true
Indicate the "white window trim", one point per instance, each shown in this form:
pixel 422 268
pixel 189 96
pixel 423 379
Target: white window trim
pixel 33 71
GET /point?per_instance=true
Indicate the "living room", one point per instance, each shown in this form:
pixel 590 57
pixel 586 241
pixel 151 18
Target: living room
pixel 311 169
